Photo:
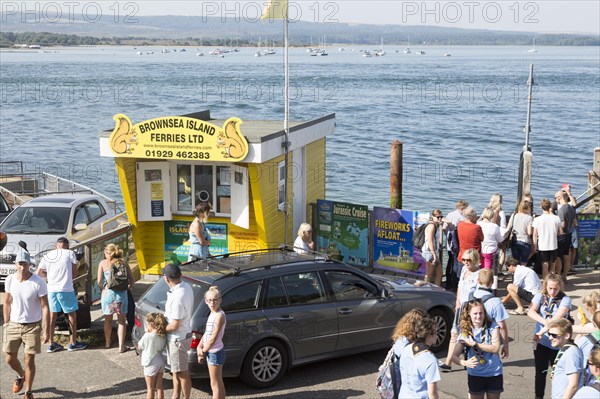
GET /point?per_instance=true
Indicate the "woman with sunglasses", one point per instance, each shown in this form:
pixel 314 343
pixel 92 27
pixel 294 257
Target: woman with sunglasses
pixel 467 284
pixel 480 342
pixel 550 304
pixel 566 372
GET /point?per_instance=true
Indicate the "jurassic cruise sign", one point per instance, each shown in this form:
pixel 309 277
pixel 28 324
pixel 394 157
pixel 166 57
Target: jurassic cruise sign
pixel 178 137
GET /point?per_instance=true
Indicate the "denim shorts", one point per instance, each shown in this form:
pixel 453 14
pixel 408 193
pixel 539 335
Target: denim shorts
pixel 216 358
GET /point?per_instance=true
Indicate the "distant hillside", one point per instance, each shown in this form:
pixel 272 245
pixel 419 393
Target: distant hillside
pixel 211 30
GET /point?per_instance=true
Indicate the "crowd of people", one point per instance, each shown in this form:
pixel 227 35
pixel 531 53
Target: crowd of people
pixel 564 351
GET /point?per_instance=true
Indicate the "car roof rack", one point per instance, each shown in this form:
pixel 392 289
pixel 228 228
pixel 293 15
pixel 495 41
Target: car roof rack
pixel 236 262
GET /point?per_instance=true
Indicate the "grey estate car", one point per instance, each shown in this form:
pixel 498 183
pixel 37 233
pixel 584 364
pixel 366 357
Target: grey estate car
pixel 285 310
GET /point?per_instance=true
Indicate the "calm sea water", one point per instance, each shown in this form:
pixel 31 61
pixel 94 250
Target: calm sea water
pixel 460 117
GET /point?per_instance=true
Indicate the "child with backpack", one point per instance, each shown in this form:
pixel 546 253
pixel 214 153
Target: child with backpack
pixel 114 278
pixel 493 305
pixel 152 344
pixel 389 379
pixel 418 365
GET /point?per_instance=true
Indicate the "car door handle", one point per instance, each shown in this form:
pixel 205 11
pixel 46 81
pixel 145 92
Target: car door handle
pixel 285 318
pixel 345 311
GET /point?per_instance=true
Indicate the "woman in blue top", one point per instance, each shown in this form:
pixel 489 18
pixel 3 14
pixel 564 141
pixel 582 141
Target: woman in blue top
pixel 550 304
pixel 480 342
pixel 418 366
pixel 199 236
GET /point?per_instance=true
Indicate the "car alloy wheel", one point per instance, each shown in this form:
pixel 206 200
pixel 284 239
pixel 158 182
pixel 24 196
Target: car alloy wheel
pixel 442 321
pixel 266 364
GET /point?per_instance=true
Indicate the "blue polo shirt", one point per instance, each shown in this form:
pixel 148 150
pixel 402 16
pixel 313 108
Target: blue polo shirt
pixel 547 307
pixel 570 362
pixel 418 371
pixel 493 306
pixel 491 365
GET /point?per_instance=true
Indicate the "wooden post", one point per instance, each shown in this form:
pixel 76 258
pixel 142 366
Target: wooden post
pixel 396 175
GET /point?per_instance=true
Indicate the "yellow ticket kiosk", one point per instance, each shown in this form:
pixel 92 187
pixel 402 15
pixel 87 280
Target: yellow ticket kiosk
pixel 167 165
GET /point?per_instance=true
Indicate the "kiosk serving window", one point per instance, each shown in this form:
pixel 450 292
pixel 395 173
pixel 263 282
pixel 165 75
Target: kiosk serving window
pixel 204 183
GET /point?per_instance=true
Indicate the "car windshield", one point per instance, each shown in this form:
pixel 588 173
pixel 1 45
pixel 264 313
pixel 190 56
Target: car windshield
pixel 37 220
pixel 156 296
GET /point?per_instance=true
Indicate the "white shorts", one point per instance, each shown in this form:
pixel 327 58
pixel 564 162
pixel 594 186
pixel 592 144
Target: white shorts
pixel 157 365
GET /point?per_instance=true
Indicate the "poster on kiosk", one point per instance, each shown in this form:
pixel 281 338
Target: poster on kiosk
pixel 392 241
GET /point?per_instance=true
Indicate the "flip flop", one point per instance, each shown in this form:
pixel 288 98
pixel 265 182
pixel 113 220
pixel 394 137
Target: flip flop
pixel 514 312
pixel 126 349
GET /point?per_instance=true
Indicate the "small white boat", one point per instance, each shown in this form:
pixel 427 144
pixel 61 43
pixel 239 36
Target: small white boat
pixel 446 54
pixel 367 54
pixel 532 49
pixel 139 53
pixel 407 49
pixel 420 52
pixel 200 54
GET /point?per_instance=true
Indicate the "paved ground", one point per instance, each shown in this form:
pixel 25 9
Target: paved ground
pixel 100 373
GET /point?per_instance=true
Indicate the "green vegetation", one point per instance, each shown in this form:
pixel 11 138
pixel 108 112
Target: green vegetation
pixel 359 37
pixel 47 39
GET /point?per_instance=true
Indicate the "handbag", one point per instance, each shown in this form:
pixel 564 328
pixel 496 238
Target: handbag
pixel 388 378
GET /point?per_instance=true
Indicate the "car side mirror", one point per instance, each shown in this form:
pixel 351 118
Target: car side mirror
pixel 384 293
pixel 80 226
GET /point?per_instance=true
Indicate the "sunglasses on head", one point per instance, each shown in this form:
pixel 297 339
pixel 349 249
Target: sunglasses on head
pixel 553 335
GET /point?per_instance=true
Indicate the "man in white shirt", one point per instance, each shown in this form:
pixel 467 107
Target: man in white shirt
pixel 59 266
pixel 526 284
pixel 25 305
pixel 178 312
pixel 546 229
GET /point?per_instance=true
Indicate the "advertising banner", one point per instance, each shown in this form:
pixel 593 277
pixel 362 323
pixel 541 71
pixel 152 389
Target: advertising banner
pixel 343 231
pixel 177 240
pixel 589 239
pixel 392 240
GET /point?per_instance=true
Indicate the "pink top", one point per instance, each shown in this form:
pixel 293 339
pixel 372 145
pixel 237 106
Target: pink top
pixel 210 327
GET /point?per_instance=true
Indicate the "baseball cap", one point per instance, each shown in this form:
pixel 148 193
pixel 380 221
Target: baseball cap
pixel 172 271
pixel 23 256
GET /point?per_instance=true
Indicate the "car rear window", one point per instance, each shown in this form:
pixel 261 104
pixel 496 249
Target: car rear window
pixel 156 296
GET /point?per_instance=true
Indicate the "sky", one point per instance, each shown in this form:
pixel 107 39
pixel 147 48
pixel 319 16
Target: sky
pixel 564 16
pixel 541 16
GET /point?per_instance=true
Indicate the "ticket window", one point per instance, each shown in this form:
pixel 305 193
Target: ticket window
pixel 225 187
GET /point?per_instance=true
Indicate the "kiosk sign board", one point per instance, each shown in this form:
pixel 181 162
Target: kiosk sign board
pixel 178 137
pixel 392 240
pixel 589 239
pixel 343 232
pixel 177 240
